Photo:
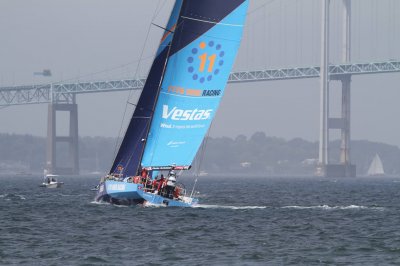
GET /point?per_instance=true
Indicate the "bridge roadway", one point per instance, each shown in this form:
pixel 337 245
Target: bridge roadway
pixel 58 93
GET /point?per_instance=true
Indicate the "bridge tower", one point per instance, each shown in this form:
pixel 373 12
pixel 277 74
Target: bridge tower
pixel 68 104
pixel 348 169
pixel 324 90
pixel 327 123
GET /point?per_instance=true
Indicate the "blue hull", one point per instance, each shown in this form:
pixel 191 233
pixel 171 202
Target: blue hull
pixel 123 193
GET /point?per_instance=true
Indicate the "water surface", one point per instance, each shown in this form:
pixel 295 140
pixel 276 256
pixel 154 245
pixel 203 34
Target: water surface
pixel 240 221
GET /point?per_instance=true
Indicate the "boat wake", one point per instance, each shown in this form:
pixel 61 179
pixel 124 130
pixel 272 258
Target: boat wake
pixel 327 207
pixel 108 204
pixel 205 206
pixel 148 204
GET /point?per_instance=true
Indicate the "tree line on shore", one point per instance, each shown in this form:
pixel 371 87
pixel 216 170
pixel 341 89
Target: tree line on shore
pixel 259 154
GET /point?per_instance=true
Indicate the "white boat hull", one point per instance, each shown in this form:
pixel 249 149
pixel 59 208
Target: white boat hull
pixel 52 184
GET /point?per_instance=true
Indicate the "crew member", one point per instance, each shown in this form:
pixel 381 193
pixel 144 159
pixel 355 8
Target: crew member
pixel 171 183
pixel 161 184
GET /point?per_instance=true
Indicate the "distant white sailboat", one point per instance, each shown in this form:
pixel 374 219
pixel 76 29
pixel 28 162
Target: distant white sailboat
pixel 376 167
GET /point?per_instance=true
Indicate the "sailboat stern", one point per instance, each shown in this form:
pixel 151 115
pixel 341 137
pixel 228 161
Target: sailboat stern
pixel 157 200
pixel 118 192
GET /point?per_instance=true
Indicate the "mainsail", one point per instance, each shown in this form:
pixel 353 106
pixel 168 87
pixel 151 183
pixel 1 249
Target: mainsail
pixel 184 87
pixel 376 167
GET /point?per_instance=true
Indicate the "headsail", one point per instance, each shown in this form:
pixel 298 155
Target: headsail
pixel 184 87
pixel 203 50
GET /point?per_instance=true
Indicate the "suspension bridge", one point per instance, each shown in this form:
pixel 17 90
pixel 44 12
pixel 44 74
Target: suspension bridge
pixel 62 96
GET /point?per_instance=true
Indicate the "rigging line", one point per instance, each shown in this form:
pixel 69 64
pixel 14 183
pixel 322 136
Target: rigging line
pixel 203 148
pixel 257 8
pixel 138 61
pixel 135 146
pixel 159 10
pixel 118 66
pixel 213 22
pixel 105 70
pixel 162 28
pixel 117 144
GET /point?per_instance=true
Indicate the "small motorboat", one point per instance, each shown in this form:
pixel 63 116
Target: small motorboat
pixel 50 181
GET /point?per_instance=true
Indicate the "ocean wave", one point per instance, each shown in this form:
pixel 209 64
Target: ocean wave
pixel 13 197
pixel 71 195
pixel 327 207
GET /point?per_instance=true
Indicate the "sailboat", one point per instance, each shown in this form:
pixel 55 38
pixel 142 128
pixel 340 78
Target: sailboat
pixel 179 100
pixel 376 167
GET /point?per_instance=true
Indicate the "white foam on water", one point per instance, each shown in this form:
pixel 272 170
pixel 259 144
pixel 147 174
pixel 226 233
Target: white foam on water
pixel 205 206
pixel 21 197
pixel 100 203
pixel 119 206
pixel 327 207
pixel 147 204
pixel 10 196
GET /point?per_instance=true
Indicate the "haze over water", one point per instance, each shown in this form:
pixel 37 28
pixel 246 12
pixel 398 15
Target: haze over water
pixel 240 221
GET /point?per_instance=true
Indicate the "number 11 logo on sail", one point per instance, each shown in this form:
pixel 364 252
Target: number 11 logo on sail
pixel 205 61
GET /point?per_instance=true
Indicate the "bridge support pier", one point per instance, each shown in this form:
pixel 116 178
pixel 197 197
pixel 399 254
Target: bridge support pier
pixel 344 168
pixel 72 167
pixel 349 169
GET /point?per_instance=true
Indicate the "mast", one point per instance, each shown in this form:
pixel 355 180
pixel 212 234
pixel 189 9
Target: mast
pixel 155 102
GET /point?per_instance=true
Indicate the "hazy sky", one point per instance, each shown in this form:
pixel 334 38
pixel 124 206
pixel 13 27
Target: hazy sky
pixel 103 39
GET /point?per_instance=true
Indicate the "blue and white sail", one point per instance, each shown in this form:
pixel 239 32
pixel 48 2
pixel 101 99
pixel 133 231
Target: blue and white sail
pixel 203 51
pixel 127 160
pixel 184 87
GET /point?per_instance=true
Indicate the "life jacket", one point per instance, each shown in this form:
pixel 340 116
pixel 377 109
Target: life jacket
pixel 177 191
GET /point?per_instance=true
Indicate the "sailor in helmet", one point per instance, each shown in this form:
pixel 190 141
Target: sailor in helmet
pixel 171 183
